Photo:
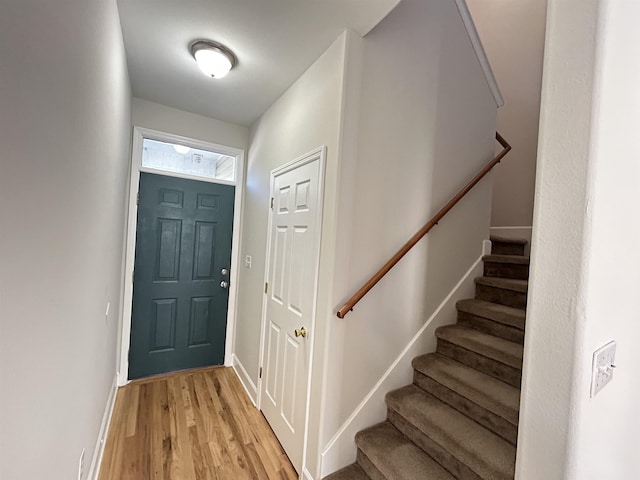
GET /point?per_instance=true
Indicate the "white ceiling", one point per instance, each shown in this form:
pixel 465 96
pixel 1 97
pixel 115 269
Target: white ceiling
pixel 275 42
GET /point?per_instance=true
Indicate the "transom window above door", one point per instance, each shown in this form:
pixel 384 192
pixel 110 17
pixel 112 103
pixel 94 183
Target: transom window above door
pixel 170 157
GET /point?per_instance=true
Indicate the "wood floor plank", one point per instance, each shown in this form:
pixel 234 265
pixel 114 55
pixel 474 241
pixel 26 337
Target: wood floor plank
pixel 258 467
pixel 206 423
pixel 132 410
pixel 237 423
pixel 199 453
pixel 157 449
pixel 181 455
pixel 136 466
pixel 226 444
pixel 270 462
pixel 197 425
pixel 186 397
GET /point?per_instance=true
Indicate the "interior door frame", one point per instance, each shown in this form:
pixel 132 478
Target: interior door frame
pixel 139 134
pixel 319 154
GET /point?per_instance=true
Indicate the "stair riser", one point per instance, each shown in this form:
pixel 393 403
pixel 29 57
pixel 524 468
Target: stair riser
pixel 504 248
pixel 501 296
pixel 491 367
pixel 506 270
pixel 484 417
pixel 369 468
pixel 433 449
pixel 488 326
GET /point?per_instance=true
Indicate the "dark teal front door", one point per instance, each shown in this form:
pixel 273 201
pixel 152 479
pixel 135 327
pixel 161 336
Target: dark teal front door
pixel 183 254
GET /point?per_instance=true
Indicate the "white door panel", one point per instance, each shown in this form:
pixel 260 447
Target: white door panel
pixel 294 247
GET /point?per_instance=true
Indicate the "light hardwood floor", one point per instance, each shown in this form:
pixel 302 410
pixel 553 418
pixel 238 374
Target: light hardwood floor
pixel 188 426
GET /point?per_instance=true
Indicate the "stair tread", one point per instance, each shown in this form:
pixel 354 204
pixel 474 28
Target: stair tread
pixel 517 241
pixel 511 316
pixel 516 259
pixel 489 393
pixel 505 283
pixel 397 457
pixel 482 451
pixel 490 346
pixel 352 472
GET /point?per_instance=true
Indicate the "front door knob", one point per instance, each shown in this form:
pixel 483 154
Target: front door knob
pixel 302 332
pixel 224 284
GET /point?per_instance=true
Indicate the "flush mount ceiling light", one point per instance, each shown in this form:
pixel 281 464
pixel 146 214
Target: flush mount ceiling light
pixel 215 60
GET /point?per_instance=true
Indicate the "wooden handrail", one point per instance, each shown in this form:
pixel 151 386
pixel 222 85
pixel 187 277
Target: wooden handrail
pixel 347 307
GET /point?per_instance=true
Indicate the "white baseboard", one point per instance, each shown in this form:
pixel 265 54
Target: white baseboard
pixel 245 379
pixel 341 450
pixel 520 232
pixel 306 475
pixel 98 451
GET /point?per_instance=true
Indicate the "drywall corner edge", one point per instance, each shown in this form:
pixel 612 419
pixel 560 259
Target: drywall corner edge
pixel 474 37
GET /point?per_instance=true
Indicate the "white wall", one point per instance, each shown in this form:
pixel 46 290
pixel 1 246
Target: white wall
pixel 178 122
pixel 613 277
pixel 305 117
pixel 408 119
pixel 585 277
pixel 513 35
pixel 425 124
pixel 65 134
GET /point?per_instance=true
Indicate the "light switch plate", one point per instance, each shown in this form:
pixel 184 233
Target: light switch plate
pixel 603 366
pixel 247 261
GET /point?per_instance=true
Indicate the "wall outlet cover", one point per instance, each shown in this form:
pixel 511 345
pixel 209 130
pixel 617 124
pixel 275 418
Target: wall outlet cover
pixel 603 366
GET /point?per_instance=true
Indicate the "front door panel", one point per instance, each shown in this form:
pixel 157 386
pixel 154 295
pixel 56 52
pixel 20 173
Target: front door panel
pixel 183 242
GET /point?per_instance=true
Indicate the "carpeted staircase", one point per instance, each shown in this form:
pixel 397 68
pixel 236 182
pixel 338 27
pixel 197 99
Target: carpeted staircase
pixel 459 418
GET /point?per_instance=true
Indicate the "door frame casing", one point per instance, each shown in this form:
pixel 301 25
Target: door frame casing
pixel 320 154
pixel 139 134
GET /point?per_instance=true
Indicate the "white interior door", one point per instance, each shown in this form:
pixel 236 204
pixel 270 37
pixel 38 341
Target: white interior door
pixel 294 250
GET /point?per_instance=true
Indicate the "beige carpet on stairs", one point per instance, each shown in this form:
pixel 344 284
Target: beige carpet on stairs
pixel 459 417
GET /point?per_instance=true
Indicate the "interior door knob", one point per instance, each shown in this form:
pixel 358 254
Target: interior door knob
pixel 224 284
pixel 302 332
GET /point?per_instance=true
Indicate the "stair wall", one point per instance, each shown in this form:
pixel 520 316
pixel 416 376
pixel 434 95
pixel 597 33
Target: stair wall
pixel 459 417
pixel 411 138
pixel 341 449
